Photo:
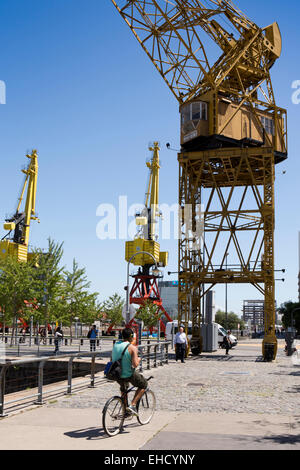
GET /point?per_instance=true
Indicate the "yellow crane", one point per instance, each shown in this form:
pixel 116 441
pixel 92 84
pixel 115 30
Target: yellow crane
pixel 144 250
pixel 145 239
pixel 232 135
pixel 15 242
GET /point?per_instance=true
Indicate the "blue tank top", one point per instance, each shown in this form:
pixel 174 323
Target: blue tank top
pixel 127 369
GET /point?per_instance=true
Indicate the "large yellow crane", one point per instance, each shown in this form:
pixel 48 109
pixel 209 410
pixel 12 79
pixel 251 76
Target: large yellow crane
pixel 15 242
pixel 232 135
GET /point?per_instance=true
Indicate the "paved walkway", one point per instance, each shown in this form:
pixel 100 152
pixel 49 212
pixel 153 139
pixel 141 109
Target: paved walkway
pixel 210 402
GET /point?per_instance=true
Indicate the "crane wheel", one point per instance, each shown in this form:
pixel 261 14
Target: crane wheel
pixel 269 352
pixel 196 351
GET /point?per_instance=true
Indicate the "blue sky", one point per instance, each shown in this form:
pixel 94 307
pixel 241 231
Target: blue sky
pixel 81 90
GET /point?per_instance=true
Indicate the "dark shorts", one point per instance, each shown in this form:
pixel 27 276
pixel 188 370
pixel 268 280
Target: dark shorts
pixel 137 380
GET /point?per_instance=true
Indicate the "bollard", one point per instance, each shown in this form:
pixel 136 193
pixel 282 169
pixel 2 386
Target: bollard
pixel 81 342
pixel 66 342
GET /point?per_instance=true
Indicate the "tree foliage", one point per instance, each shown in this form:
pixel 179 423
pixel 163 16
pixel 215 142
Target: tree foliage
pixel 149 314
pixel 232 320
pixel 288 310
pixel 57 295
pixel 113 308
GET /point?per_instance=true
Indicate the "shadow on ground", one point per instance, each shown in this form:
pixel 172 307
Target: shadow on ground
pixel 92 434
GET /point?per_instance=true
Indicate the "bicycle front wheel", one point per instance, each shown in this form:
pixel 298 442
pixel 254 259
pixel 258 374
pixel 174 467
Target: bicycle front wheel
pixel 113 416
pixel 146 407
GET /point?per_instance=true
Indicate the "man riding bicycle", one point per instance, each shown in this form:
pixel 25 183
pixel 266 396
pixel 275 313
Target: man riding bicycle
pixel 130 361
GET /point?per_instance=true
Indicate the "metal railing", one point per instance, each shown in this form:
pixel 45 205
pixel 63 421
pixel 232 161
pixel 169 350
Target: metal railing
pixel 153 354
pixel 21 345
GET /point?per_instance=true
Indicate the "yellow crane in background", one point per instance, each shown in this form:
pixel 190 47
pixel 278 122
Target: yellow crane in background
pixel 145 287
pixel 15 242
pixel 146 239
pixel 232 135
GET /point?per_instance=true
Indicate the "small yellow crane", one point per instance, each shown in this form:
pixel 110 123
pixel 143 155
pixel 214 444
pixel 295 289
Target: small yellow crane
pixel 15 242
pixel 145 240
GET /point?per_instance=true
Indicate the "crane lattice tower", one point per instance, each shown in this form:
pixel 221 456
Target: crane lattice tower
pixel 232 136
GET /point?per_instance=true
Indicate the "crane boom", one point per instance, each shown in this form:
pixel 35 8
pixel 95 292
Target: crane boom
pixel 16 241
pixel 171 33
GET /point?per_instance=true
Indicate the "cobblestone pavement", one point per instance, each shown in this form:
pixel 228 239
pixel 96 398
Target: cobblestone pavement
pixel 238 383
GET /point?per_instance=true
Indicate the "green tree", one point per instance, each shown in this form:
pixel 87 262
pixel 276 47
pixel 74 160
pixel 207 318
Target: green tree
pixel 48 281
pixel 287 310
pixel 232 320
pixel 148 313
pixel 113 308
pixel 77 301
pixel 16 286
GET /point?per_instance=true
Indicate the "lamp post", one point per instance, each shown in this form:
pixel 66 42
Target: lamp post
pixel 127 287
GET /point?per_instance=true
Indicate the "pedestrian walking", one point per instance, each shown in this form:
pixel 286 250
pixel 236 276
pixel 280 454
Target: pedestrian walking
pixel 181 344
pixel 58 336
pixel 92 335
pixel 23 335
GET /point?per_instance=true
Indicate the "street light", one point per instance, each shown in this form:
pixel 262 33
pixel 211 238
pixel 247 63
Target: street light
pixel 155 271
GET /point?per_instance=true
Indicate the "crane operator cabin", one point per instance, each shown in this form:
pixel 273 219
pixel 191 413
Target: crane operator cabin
pixel 217 119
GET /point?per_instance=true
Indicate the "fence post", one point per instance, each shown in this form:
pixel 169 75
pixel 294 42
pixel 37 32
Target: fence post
pixel 161 354
pixel 167 353
pixel 141 363
pixel 39 401
pixel 93 371
pixel 148 354
pixel 2 390
pixel 70 374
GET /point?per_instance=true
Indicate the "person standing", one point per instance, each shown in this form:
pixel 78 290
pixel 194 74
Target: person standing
pixel 93 333
pixel 227 342
pixel 181 344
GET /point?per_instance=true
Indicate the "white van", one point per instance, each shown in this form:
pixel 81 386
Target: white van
pixel 172 329
pixel 222 332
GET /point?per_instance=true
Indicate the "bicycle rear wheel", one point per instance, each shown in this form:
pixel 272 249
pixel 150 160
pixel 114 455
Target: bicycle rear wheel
pixel 146 407
pixel 113 416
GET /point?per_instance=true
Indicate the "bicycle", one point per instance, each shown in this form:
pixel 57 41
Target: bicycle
pixel 114 412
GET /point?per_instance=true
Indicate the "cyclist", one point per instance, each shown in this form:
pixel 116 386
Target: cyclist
pixel 130 361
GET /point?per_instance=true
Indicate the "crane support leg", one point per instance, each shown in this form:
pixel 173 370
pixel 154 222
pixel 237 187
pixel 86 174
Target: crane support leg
pixel 227 202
